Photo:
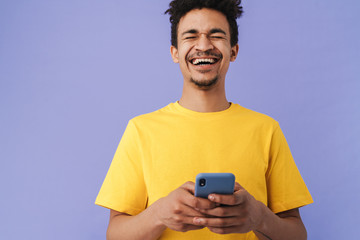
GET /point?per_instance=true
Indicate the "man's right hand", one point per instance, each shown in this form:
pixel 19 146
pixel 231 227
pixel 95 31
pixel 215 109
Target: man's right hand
pixel 177 210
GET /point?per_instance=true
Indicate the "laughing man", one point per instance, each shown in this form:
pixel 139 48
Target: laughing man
pixel 148 187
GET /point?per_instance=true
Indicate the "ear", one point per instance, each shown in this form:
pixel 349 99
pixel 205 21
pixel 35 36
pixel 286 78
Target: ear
pixel 234 52
pixel 174 54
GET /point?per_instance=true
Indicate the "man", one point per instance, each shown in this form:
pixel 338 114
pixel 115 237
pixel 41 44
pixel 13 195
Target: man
pixel 149 188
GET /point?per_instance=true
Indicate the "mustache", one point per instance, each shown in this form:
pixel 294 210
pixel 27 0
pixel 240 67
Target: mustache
pixel 206 53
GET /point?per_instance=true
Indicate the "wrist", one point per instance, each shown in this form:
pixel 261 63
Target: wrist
pixel 154 212
pixel 261 225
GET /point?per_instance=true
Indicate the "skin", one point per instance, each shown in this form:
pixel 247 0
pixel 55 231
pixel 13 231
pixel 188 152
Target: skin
pixel 205 34
pixel 211 35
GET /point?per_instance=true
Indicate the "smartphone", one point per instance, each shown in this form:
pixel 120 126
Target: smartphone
pixel 207 183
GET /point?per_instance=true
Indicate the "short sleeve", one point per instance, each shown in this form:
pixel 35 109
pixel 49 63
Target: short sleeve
pixel 285 186
pixel 124 189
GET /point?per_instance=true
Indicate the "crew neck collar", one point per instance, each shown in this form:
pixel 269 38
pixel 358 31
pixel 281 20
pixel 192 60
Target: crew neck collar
pixel 193 113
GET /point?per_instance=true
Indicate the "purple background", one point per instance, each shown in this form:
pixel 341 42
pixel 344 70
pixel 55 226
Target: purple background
pixel 72 73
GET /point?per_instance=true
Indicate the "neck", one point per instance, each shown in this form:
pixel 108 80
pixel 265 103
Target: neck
pixel 204 100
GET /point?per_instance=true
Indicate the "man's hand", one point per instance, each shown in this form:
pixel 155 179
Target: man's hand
pixel 177 210
pixel 238 213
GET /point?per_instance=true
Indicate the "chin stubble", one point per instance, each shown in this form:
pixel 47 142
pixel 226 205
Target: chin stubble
pixel 205 84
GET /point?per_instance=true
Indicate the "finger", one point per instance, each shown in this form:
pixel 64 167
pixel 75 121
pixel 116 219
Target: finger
pixel 223 211
pixel 181 227
pixel 196 202
pixel 234 199
pixel 184 220
pixel 185 210
pixel 215 222
pixel 189 186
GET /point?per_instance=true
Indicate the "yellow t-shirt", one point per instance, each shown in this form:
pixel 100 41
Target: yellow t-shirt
pixel 162 150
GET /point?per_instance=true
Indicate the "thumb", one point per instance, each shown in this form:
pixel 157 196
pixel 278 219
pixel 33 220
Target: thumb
pixel 237 187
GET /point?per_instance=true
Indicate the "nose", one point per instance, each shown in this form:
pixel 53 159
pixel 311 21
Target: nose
pixel 203 44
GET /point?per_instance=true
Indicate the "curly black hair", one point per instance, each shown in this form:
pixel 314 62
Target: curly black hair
pixel 230 8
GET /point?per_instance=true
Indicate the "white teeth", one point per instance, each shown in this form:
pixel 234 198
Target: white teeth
pixel 203 60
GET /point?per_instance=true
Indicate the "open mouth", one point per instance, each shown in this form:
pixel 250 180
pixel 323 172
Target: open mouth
pixel 203 61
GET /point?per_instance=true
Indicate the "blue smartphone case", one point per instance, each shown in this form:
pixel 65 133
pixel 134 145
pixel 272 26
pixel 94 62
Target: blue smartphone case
pixel 207 183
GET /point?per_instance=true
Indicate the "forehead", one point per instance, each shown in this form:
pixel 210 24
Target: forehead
pixel 203 20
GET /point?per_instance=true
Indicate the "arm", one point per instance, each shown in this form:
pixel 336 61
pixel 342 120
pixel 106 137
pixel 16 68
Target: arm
pixel 241 213
pixel 124 226
pixel 175 211
pixel 284 225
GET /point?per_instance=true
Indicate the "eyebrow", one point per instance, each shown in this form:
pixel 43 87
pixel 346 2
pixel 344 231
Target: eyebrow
pixel 212 31
pixel 191 31
pixel 217 30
